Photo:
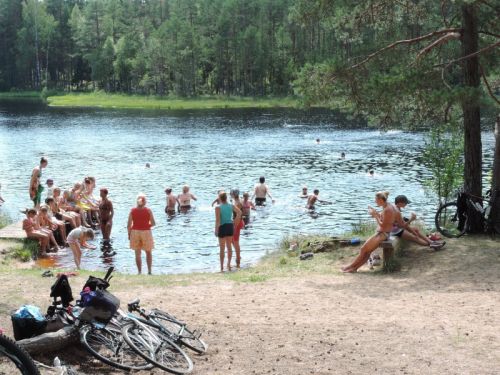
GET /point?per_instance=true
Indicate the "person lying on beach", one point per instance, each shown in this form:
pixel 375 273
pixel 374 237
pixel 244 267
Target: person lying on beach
pixel 105 215
pixel 78 238
pixel 261 191
pixel 385 220
pixel 313 198
pixel 184 199
pixel 171 201
pixel 304 193
pixel 29 226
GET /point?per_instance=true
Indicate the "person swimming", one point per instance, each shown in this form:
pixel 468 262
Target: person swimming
pixel 304 193
pixel 313 198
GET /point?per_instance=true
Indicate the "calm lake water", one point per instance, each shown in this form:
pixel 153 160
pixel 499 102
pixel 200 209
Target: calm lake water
pixel 210 150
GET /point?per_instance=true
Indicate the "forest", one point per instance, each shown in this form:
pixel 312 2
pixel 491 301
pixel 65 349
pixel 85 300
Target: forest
pixel 404 62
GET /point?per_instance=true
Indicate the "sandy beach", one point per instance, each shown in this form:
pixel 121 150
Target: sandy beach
pixel 438 315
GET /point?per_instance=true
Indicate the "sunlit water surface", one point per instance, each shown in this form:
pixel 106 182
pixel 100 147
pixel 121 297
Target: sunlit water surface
pixel 212 150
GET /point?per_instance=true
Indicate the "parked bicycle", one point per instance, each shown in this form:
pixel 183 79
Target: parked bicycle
pixel 14 359
pixel 452 219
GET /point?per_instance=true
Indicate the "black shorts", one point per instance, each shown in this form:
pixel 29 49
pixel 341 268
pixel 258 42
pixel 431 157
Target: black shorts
pixel 260 201
pixel 399 233
pixel 226 230
pixel 58 216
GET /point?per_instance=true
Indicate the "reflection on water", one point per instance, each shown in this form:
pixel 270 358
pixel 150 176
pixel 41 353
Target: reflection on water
pixel 210 150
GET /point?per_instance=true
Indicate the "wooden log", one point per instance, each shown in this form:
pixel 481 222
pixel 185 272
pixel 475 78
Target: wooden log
pixel 389 264
pixel 51 341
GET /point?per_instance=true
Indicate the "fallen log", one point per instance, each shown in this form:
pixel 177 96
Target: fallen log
pixel 51 341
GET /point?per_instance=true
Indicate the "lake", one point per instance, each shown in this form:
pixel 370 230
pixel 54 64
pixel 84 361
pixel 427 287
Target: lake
pixel 212 150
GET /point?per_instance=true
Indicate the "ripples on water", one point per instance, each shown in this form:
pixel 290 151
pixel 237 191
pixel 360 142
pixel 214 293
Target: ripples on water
pixel 210 150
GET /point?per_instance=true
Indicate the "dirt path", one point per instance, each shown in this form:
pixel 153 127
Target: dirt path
pixel 439 315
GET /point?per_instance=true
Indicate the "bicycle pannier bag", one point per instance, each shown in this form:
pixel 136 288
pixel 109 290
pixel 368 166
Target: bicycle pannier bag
pixel 100 306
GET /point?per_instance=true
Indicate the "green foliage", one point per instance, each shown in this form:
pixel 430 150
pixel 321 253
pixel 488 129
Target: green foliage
pixel 443 156
pixel 363 228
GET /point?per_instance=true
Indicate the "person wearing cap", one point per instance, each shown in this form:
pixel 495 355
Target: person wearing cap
pixel 171 202
pixel 50 188
pixel 408 233
pixel 140 222
pixel 105 215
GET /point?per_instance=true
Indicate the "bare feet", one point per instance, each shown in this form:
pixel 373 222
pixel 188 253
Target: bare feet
pixel 348 270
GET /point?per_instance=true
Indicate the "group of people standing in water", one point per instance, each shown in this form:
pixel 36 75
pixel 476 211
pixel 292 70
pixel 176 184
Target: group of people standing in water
pixel 82 212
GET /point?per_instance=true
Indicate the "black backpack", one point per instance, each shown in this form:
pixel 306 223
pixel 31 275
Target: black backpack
pixel 62 289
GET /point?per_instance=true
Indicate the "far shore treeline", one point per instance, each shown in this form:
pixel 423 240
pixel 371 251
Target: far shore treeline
pixel 159 47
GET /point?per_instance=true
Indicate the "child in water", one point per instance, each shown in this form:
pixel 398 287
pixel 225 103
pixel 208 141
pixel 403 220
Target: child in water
pixel 76 239
pixel 247 205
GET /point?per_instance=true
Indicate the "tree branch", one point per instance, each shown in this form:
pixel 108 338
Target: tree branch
pixel 445 38
pixel 405 41
pixel 490 91
pixel 488 33
pixel 485 49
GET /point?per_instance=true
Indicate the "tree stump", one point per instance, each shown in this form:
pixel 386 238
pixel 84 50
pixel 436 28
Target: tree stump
pixel 51 341
pixel 389 264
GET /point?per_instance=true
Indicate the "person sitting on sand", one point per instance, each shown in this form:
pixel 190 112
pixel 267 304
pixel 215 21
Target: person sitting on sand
pixel 224 229
pixel 78 238
pixel 29 226
pixel 36 187
pixel 313 198
pixel 261 191
pixel 171 201
pixel 105 215
pixel 385 220
pixel 304 193
pixel 247 205
pixel 184 199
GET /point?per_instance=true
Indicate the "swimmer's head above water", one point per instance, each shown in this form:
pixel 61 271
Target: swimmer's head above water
pixel 262 179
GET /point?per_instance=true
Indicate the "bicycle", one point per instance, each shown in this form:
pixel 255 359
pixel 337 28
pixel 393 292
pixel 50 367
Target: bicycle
pixel 14 359
pixel 169 324
pixel 104 341
pixel 452 219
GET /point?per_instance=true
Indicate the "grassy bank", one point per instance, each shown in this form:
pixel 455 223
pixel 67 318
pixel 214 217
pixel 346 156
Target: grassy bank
pixel 103 100
pixel 20 95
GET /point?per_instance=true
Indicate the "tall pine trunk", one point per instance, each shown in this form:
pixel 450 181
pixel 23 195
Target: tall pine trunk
pixel 470 104
pixel 495 183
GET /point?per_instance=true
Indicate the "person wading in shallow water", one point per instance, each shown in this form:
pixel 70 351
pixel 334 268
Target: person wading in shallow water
pixel 261 191
pixel 384 220
pixel 36 187
pixel 140 222
pixel 224 228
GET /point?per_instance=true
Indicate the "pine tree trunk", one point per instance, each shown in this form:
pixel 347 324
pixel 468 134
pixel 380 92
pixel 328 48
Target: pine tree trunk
pixel 470 104
pixel 495 182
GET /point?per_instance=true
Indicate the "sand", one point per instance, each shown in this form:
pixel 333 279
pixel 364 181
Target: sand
pixel 439 315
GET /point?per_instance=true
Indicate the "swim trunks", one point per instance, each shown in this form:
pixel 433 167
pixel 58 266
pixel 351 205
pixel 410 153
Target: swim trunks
pixel 398 233
pixel 226 230
pixel 260 201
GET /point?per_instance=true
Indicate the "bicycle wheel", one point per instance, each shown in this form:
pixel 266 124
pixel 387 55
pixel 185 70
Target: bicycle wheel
pixel 185 336
pixel 14 359
pixel 156 347
pixel 449 222
pixel 108 345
